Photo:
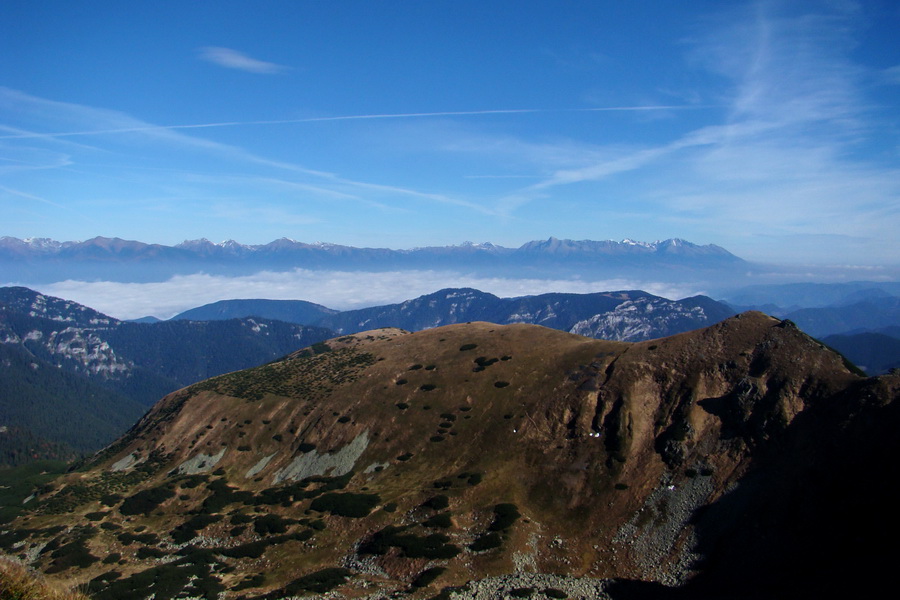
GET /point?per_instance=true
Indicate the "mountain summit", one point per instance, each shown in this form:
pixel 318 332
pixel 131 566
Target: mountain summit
pixel 510 460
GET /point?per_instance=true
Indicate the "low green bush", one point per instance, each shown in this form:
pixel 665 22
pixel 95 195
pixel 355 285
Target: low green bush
pixel 190 528
pixel 439 521
pixel 434 546
pixel 427 577
pixel 439 502
pixel 504 516
pixel 251 581
pixel 487 541
pixel 271 524
pixel 145 501
pixel 144 553
pixel 223 495
pixel 73 554
pixel 110 499
pixel 346 504
pixel 319 582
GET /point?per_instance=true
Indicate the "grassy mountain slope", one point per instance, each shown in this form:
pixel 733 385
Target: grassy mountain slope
pixel 412 461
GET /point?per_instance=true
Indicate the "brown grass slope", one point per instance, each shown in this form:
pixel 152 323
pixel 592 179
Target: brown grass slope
pixel 376 460
pixel 17 582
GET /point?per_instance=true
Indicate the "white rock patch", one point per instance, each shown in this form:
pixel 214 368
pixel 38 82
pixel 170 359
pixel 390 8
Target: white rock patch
pixel 334 464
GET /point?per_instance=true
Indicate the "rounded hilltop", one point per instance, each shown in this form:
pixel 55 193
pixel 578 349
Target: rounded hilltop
pixel 419 462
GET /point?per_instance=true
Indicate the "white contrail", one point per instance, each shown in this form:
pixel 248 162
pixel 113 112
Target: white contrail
pixel 456 113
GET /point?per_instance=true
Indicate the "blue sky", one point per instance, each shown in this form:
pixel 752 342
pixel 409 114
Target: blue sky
pixel 768 128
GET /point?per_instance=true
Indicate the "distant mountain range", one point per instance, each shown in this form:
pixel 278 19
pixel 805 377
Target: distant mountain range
pixel 73 378
pixel 623 315
pixel 786 297
pixel 39 259
pixel 875 352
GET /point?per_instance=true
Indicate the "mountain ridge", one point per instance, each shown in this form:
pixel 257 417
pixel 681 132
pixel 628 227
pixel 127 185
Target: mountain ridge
pixel 476 450
pixel 627 315
pixel 115 259
pixel 139 362
pixel 552 244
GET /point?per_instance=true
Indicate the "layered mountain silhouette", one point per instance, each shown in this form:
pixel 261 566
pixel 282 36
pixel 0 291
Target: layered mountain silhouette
pixel 741 460
pixel 78 357
pixel 631 315
pixel 875 352
pixel 43 260
pixel 74 378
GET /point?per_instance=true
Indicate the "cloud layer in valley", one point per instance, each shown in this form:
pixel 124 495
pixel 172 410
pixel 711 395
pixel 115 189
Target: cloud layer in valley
pixel 340 290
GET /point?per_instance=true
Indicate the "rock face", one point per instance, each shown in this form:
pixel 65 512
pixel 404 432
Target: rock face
pixel 509 458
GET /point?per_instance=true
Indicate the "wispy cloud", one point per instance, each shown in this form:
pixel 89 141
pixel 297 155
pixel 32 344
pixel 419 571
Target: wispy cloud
pixel 27 196
pixel 19 195
pixel 892 75
pixel 126 124
pixel 146 127
pixel 790 154
pixel 232 59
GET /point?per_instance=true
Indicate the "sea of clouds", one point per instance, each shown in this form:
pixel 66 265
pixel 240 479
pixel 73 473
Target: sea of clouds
pixel 341 290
